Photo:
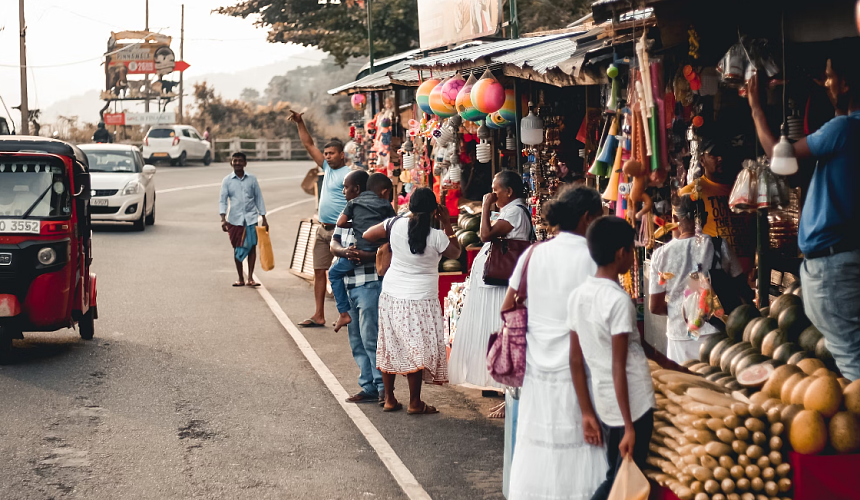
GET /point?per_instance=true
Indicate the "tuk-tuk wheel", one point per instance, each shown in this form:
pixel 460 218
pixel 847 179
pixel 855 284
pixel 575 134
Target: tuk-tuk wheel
pixel 86 326
pixel 6 336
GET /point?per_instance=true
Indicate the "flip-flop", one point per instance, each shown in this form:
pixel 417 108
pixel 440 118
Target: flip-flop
pixel 309 323
pixel 253 284
pixel 239 283
pixel 397 407
pixel 427 410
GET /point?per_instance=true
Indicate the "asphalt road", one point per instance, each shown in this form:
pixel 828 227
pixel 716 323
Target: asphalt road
pixel 194 389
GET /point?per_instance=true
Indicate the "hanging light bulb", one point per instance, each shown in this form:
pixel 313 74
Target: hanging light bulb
pixel 511 141
pixel 484 151
pixel 783 161
pixel 408 157
pixel 531 128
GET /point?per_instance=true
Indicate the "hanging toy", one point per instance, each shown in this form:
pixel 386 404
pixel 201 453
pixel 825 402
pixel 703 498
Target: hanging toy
pixel 488 95
pixel 612 73
pixel 450 89
pixel 422 94
pixel 438 105
pixel 358 101
pixel 509 108
pixel 465 107
pixel 693 38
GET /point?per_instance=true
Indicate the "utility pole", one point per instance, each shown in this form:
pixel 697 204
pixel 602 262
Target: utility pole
pixel 181 58
pixel 146 75
pixel 370 33
pixel 25 109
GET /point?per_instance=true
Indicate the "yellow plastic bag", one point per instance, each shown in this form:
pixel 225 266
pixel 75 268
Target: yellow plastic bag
pixel 630 483
pixel 267 256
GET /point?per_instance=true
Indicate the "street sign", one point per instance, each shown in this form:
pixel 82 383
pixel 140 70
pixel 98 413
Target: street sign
pixel 181 66
pixel 165 118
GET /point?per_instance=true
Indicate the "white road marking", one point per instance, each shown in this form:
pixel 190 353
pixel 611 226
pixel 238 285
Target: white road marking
pixel 407 482
pixel 290 205
pixel 218 184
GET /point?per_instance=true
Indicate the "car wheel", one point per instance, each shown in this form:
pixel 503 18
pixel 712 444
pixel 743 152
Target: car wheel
pixel 150 219
pixel 6 336
pixel 140 223
pixel 86 326
pixel 182 160
pixel 207 158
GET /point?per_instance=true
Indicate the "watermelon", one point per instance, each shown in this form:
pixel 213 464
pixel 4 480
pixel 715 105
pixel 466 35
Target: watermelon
pixel 461 220
pixel 707 370
pixel 784 351
pixel 690 362
pixel 796 357
pixel 755 375
pixel 773 340
pixel 468 238
pixel 714 377
pixel 782 302
pixel 717 351
pixel 730 353
pixel 790 289
pixel 472 224
pixel 792 320
pixel 707 345
pixel 809 337
pixel 739 319
pixel 765 311
pixel 733 366
pixel 799 292
pixel 761 330
pixel 822 353
pixel 750 326
pixel 451 266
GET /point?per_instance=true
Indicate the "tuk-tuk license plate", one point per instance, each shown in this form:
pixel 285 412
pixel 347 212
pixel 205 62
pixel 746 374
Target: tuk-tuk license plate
pixel 160 155
pixel 20 226
pixel 99 202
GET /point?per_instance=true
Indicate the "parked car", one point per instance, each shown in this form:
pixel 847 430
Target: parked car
pixel 123 186
pixel 177 144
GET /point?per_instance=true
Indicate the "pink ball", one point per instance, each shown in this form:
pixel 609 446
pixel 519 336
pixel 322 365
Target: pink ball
pixel 488 95
pixel 451 88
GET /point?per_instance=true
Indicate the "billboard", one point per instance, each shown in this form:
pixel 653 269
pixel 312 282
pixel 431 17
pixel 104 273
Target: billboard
pixel 143 59
pixel 446 22
pixel 166 118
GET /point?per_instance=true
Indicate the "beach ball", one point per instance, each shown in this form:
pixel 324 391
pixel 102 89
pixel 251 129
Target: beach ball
pixel 488 95
pixel 438 106
pixel 422 95
pixel 464 102
pixel 359 101
pixel 498 120
pixel 509 108
pixel 451 88
pixel 491 124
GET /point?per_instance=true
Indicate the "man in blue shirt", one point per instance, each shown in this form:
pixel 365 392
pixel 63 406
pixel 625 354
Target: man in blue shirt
pixel 828 237
pixel 331 204
pixel 246 205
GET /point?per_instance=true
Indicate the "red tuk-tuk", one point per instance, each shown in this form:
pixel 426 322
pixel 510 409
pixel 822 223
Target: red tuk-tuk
pixel 45 240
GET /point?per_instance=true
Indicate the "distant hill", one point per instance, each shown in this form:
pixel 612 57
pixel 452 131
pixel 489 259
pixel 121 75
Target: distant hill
pixel 86 106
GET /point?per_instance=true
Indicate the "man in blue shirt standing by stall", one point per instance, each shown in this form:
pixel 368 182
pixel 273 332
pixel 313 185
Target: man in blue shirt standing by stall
pixel 331 204
pixel 246 206
pixel 828 235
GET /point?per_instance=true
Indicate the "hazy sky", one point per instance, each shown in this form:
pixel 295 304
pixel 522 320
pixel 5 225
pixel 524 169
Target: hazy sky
pixel 69 31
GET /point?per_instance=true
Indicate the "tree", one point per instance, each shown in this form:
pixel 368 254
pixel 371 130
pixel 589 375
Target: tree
pixel 339 29
pixel 250 95
pixel 544 15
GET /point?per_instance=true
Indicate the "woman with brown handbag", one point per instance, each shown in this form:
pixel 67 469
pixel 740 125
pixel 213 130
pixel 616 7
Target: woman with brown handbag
pixel 481 315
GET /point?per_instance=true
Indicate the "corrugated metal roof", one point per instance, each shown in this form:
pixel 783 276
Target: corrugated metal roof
pixel 550 55
pixel 473 53
pixel 378 80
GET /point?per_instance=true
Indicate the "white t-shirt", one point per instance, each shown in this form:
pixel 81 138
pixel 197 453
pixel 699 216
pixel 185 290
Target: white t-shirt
pixel 413 276
pixel 597 310
pixel 682 257
pixel 517 216
pixel 556 269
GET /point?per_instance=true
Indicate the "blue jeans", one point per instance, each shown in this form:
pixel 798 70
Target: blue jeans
pixel 363 333
pixel 831 299
pixel 336 274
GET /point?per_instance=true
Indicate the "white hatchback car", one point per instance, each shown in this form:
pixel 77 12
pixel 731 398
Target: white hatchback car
pixel 123 186
pixel 177 144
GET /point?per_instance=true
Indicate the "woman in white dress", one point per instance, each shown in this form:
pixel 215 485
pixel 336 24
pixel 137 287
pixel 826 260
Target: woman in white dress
pixel 411 334
pixel 481 315
pixel 671 266
pixel 551 458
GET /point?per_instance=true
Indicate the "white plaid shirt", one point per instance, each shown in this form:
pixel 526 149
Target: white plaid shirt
pixel 363 273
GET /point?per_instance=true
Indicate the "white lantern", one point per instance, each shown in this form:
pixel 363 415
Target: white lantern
pixel 531 129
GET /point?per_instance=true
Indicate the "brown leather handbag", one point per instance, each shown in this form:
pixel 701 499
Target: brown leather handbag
pixel 503 256
pixel 385 253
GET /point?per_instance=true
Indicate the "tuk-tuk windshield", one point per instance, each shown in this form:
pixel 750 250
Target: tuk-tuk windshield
pixel 33 189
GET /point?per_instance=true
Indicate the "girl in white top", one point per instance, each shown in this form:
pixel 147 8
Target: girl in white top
pixel 551 458
pixel 482 309
pixel 678 259
pixel 411 336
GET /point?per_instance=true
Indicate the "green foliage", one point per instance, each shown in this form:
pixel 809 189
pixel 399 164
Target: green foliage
pixel 545 15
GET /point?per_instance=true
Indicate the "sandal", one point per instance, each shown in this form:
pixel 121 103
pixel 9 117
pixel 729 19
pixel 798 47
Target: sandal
pixel 497 411
pixel 427 410
pixel 396 407
pixel 253 283
pixel 310 323
pixel 239 283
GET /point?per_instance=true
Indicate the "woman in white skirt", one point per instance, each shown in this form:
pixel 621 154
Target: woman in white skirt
pixel 551 458
pixel 671 266
pixel 481 315
pixel 411 334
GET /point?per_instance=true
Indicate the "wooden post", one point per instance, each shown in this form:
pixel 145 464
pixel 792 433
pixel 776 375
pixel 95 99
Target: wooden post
pixel 182 58
pixel 22 46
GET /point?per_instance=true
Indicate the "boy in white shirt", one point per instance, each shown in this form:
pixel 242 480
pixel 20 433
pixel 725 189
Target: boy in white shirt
pixel 602 321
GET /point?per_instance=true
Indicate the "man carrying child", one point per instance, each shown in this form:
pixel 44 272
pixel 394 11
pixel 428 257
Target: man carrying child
pixel 363 211
pixel 602 321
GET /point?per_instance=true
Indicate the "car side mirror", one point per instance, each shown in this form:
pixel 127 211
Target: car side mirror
pixel 83 186
pixel 149 170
